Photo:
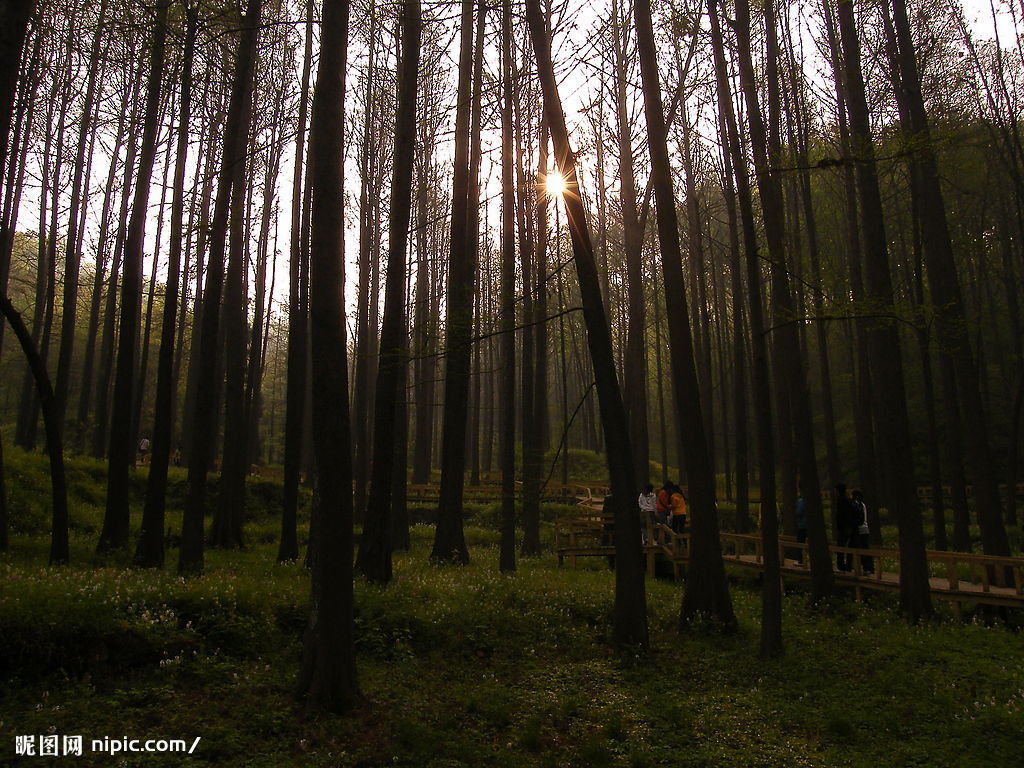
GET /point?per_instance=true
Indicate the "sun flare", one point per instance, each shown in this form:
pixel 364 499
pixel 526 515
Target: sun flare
pixel 555 184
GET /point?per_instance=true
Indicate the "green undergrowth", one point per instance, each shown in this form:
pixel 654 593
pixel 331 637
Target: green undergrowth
pixel 463 666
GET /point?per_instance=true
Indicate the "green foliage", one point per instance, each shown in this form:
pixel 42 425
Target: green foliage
pixel 466 666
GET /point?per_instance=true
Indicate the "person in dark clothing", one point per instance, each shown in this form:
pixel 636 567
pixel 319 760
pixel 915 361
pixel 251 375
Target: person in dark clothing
pixel 801 526
pixel 862 534
pixel 846 527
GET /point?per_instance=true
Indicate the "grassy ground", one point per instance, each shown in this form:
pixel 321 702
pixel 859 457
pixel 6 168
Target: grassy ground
pixel 463 666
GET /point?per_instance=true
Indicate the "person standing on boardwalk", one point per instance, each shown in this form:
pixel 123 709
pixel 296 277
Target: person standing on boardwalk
pixel 648 505
pixel 846 527
pixel 677 501
pixel 664 505
pixel 862 537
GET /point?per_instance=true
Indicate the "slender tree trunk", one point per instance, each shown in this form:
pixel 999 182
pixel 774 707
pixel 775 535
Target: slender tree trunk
pixel 95 302
pixel 635 364
pixel 297 320
pixel 424 367
pixel 374 559
pixel 72 248
pixel 861 382
pixel 150 551
pixel 364 346
pixel 327 678
pixel 771 586
pixel 507 397
pixel 449 541
pixel 707 589
pixel 630 613
pixel 883 339
pixel 947 297
pixel 121 452
pixel 236 131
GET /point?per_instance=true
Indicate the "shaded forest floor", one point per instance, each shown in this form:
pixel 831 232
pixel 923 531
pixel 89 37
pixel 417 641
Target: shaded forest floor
pixel 463 666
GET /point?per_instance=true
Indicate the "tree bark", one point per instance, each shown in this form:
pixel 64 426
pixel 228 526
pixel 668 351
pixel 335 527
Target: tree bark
pixel 771 585
pixel 883 339
pixel 449 540
pixel 121 451
pixel 236 131
pixel 374 558
pixel 707 589
pixel 630 612
pixel 507 397
pixel 150 550
pixel 298 314
pixel 327 678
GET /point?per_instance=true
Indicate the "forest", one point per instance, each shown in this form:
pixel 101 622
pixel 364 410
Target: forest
pixel 533 382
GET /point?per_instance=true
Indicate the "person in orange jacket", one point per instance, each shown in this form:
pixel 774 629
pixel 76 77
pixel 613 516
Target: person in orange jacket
pixel 677 502
pixel 663 508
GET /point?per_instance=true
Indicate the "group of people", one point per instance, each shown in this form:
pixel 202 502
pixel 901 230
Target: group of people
pixel 667 506
pixel 851 528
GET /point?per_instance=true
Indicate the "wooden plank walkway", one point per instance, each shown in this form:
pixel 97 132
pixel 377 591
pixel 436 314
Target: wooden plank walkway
pixel 955 576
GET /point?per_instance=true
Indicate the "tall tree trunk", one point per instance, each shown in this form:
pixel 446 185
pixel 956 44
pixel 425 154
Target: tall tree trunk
pixel 364 345
pixel 707 589
pixel 297 321
pixel 951 320
pixel 327 678
pixel 449 540
pixel 507 311
pixel 229 514
pixel 424 368
pixel 72 248
pixel 374 559
pixel 95 302
pixel 121 452
pixel 630 612
pixel 771 586
pixel 864 433
pixel 535 434
pixel 883 339
pixel 764 141
pixel 236 131
pixel 150 550
pixel 635 365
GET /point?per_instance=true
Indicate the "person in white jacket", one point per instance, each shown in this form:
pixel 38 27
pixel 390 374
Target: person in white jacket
pixel 648 504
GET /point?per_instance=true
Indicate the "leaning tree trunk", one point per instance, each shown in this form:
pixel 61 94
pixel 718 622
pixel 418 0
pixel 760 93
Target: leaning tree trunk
pixel 327 679
pixel 59 550
pixel 707 589
pixel 630 613
pixel 951 320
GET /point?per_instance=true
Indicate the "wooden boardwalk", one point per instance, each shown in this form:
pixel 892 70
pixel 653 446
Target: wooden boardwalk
pixel 955 576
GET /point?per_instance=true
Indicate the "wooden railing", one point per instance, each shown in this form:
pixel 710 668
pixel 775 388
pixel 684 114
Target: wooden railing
pixel 955 576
